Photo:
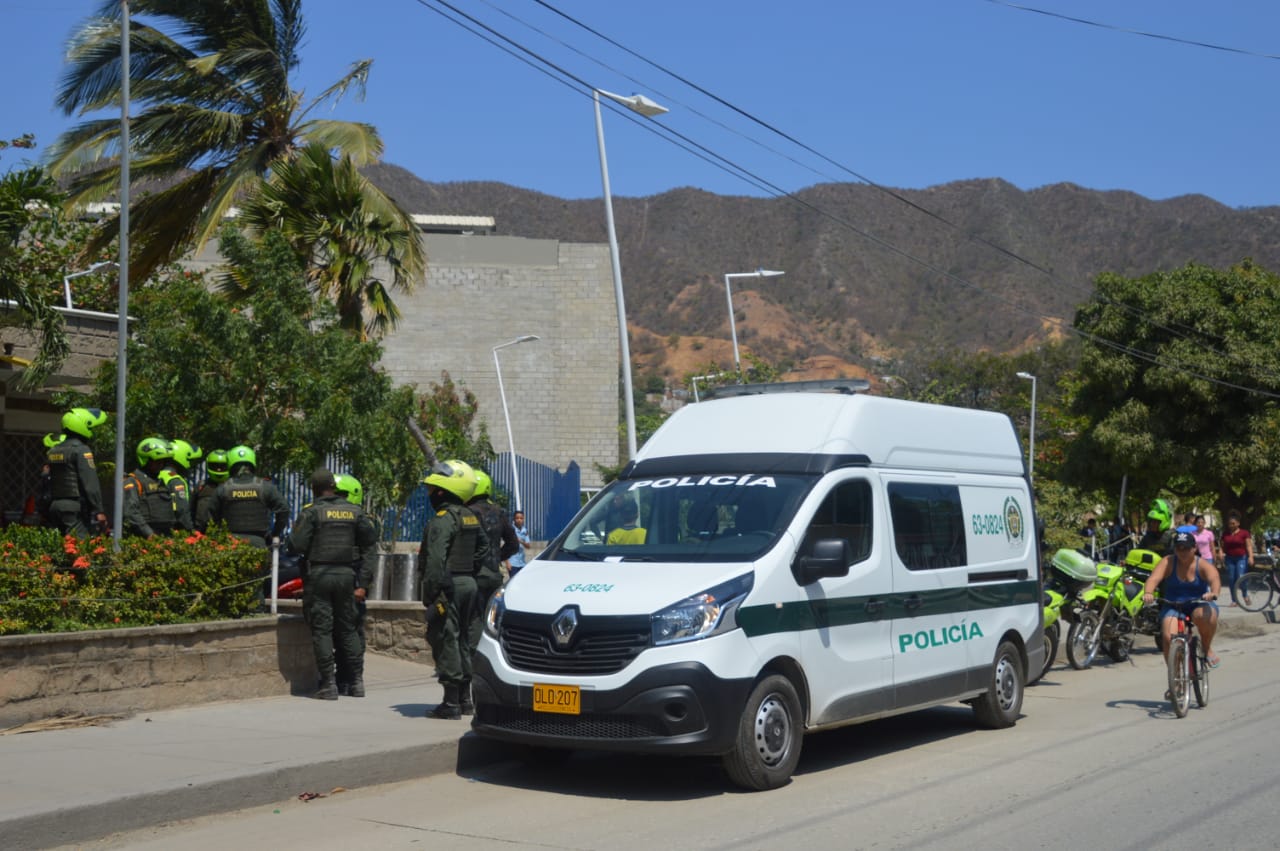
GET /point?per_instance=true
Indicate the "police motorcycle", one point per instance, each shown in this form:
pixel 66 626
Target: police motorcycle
pixel 1070 574
pixel 1113 611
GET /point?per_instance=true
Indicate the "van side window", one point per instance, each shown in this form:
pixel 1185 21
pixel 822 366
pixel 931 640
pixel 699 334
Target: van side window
pixel 928 525
pixel 845 513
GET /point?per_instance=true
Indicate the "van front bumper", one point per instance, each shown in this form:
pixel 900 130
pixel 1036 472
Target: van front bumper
pixel 681 708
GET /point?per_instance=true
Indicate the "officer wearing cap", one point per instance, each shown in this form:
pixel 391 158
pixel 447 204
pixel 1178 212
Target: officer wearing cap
pixel 340 545
pixel 454 549
pixel 73 478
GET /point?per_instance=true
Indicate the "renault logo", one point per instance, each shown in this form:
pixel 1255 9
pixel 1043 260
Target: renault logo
pixel 563 626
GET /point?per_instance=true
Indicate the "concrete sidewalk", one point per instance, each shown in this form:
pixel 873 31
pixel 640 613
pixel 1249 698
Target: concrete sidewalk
pixel 68 785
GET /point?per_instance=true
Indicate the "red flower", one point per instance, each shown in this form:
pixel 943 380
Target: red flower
pixel 80 562
pixel 99 550
pixel 181 581
pixel 22 593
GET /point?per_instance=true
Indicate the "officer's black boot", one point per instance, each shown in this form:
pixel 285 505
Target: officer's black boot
pixel 356 686
pixel 465 705
pixel 448 709
pixel 328 686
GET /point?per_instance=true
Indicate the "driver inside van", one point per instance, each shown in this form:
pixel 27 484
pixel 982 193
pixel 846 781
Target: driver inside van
pixel 629 532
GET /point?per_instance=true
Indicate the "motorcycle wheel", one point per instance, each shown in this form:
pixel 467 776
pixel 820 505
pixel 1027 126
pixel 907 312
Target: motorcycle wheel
pixel 1052 636
pixel 1083 640
pixel 1118 649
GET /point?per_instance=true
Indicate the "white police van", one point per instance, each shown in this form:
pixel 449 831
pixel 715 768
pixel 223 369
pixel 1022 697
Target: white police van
pixel 771 564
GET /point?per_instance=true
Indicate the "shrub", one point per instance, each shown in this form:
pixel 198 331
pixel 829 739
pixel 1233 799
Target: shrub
pixel 49 583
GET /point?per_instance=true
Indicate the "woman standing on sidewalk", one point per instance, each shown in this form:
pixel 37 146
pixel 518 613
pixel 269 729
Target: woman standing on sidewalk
pixel 1236 552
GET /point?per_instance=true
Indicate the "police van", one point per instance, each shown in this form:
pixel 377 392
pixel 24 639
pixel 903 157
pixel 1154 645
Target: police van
pixel 770 564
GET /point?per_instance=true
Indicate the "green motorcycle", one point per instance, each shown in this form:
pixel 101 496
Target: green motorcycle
pixel 1070 575
pixel 1113 612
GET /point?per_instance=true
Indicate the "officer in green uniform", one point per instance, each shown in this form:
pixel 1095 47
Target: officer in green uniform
pixel 149 506
pixel 177 478
pixel 215 470
pixel 454 547
pixel 334 536
pixel 503 544
pixel 73 479
pixel 252 507
pixel 349 487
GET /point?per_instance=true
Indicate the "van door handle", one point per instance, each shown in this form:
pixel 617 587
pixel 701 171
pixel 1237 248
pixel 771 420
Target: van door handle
pixel 875 607
pixel 913 602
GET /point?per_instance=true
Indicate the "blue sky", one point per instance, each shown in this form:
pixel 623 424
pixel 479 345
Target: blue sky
pixel 908 93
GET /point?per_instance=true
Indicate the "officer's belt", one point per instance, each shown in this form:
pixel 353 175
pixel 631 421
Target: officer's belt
pixel 329 565
pixel 471 572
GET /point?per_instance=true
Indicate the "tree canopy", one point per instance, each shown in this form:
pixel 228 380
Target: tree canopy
pixel 1180 378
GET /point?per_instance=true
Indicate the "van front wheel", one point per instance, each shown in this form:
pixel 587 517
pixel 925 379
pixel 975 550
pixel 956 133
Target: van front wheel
pixel 1002 703
pixel 769 735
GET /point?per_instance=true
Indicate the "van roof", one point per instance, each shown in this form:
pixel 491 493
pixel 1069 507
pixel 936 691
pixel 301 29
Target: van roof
pixel 847 429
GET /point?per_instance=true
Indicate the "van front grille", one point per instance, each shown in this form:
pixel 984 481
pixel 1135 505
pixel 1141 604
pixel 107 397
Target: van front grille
pixel 598 646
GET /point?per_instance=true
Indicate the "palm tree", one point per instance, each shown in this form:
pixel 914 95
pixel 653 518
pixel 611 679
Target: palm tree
pixel 339 225
pixel 215 113
pixel 23 194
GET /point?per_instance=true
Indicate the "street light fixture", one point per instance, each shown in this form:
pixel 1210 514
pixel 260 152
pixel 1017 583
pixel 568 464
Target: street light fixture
pixel 96 267
pixel 511 443
pixel 642 105
pixel 728 292
pixel 1031 451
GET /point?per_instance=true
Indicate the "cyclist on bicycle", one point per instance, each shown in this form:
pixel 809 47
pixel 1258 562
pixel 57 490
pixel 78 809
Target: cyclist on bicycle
pixel 1186 577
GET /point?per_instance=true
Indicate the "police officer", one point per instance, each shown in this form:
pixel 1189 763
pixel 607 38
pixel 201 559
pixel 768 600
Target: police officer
pixel 177 478
pixel 252 507
pixel 215 472
pixel 454 548
pixel 76 491
pixel 348 486
pixel 334 536
pixel 503 543
pixel 42 499
pixel 149 506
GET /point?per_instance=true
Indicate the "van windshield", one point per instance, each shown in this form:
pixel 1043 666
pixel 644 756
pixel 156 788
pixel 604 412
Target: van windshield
pixel 711 517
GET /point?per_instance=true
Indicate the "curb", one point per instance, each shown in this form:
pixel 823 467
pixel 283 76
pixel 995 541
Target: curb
pixel 92 822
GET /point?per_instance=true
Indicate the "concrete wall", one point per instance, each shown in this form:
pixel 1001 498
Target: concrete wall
pixel 481 291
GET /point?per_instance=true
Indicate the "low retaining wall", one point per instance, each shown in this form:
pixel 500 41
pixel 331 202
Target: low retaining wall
pixel 124 671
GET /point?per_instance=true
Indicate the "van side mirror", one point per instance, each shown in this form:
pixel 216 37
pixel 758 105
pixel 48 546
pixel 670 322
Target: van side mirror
pixel 830 557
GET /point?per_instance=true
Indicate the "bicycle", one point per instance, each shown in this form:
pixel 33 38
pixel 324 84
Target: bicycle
pixel 1257 590
pixel 1188 666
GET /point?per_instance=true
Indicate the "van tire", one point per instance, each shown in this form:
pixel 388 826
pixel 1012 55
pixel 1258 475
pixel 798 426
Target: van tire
pixel 769 736
pixel 1002 704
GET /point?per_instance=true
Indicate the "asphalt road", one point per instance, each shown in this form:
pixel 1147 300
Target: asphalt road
pixel 1098 761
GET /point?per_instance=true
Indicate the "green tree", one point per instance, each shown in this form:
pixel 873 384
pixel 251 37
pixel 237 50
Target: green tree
pixel 339 224
pixel 213 112
pixel 1180 378
pixel 24 196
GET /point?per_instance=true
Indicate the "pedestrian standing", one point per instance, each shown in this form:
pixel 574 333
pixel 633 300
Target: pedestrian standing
pixel 454 548
pixel 149 506
pixel 177 477
pixel 1206 545
pixel 340 545
pixel 517 560
pixel 1236 551
pixel 252 507
pixel 76 507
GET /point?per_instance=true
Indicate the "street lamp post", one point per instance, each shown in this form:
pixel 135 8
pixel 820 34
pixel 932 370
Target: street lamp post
pixel 728 293
pixel 695 379
pixel 642 105
pixel 96 267
pixel 511 443
pixel 1031 451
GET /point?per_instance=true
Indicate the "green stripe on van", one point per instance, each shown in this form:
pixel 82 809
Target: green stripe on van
pixel 845 611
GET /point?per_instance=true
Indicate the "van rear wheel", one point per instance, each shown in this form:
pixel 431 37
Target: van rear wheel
pixel 769 735
pixel 1002 704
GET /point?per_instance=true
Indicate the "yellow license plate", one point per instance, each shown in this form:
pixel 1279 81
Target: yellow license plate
pixel 566 700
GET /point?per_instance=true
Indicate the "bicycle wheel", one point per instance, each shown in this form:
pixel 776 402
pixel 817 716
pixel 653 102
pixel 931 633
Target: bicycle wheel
pixel 1199 673
pixel 1179 692
pixel 1253 591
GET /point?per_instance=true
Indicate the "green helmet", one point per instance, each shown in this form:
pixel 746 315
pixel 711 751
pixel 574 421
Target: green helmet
pixel 237 455
pixel 1160 511
pixel 215 465
pixel 52 440
pixel 484 484
pixel 454 476
pixel 83 421
pixel 184 453
pixel 153 449
pixel 349 486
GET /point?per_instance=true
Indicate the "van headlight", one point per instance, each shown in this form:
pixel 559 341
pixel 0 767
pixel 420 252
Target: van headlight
pixel 493 614
pixel 702 615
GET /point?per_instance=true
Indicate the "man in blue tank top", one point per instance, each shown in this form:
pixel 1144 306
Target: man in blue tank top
pixel 1186 577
